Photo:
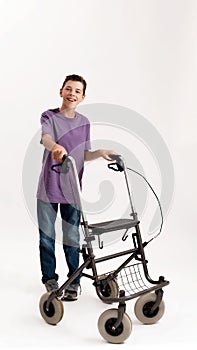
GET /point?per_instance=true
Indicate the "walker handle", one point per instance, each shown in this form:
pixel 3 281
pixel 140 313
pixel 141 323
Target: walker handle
pixel 115 156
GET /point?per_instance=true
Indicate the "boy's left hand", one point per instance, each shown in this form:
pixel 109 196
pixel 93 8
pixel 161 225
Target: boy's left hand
pixel 106 153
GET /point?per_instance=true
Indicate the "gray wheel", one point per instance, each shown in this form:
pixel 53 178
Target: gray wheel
pixel 109 290
pixel 143 306
pixel 55 312
pixel 105 325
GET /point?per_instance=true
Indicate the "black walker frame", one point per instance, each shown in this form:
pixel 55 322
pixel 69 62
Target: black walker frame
pixel 129 277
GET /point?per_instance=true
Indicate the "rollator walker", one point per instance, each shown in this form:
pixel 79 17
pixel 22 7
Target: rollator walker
pixel 130 280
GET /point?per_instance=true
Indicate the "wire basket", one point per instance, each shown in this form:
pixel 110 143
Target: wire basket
pixel 130 280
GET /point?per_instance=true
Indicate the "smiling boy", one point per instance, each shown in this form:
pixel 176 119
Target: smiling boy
pixel 64 131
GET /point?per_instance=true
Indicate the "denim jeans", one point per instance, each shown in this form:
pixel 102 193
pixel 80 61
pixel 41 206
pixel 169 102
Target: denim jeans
pixel 70 214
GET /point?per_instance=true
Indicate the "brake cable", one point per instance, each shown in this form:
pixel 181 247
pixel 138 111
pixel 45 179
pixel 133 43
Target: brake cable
pixel 156 199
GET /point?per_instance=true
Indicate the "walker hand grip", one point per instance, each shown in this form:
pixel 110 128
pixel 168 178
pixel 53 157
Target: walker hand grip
pixel 115 157
pixel 64 157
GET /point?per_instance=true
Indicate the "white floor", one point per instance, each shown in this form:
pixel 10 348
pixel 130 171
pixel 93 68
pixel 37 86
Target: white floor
pixel 22 326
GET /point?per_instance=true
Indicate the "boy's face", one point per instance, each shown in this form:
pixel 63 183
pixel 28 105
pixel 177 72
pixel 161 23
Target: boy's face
pixel 72 94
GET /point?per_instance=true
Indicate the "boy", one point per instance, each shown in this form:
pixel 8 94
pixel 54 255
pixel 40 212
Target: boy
pixel 64 131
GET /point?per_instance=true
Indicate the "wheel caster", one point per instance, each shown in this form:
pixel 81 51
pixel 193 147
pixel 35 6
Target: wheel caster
pixel 105 326
pixel 143 307
pixel 55 311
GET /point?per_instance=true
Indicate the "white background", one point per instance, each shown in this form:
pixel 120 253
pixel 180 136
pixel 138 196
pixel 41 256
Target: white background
pixel 138 54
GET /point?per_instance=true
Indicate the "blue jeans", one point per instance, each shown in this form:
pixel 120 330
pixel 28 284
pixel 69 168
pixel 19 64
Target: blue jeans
pixel 70 214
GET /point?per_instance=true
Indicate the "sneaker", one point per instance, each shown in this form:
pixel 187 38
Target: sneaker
pixel 71 294
pixel 51 285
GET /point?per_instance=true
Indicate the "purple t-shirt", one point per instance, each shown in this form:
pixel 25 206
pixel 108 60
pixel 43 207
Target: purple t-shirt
pixel 74 135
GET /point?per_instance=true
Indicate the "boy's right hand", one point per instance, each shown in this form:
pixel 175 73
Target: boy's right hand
pixel 57 152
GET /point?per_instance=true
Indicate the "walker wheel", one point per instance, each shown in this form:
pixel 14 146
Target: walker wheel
pixel 143 306
pixel 111 290
pixel 55 312
pixel 105 325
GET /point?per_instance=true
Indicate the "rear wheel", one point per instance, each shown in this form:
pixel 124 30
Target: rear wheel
pixel 55 311
pixel 105 325
pixel 108 289
pixel 143 307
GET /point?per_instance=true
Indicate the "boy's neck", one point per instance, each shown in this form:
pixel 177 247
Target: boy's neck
pixel 67 112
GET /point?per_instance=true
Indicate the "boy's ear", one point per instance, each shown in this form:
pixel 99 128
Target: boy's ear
pixel 60 92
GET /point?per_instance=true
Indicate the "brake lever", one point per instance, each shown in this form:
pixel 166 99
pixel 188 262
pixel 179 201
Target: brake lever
pixel 60 164
pixel 119 163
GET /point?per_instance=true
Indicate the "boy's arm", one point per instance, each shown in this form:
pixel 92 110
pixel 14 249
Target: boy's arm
pixel 88 155
pixel 48 142
pixel 57 150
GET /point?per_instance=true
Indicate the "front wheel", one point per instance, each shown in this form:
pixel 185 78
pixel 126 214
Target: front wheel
pixel 105 325
pixel 143 307
pixel 55 311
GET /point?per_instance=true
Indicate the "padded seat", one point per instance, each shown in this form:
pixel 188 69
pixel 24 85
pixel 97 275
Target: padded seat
pixel 113 225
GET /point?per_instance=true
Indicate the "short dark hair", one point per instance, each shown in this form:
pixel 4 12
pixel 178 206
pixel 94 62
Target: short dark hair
pixel 75 77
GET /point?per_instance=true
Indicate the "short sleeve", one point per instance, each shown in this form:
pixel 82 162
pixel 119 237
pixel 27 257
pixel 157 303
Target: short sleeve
pixel 46 123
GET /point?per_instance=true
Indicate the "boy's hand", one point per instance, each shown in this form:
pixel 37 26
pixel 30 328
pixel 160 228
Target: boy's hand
pixel 58 152
pixel 105 154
